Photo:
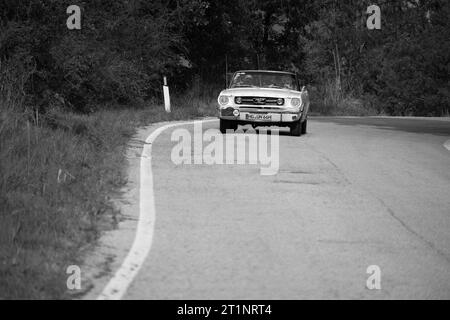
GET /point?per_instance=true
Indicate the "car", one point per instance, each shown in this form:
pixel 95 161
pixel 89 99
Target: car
pixel 264 98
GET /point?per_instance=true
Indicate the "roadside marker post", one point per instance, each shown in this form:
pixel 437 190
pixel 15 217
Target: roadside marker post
pixel 166 96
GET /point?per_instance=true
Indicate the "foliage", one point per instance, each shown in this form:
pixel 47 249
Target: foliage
pixel 125 47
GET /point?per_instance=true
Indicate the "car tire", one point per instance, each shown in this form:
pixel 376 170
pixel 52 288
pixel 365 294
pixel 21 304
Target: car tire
pixel 304 126
pixel 227 125
pixel 296 129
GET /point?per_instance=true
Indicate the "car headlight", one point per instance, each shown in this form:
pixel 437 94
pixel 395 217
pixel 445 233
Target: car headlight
pixel 238 100
pixel 295 102
pixel 224 100
pixel 280 101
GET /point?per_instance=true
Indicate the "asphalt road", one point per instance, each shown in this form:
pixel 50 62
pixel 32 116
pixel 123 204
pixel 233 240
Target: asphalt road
pixel 352 193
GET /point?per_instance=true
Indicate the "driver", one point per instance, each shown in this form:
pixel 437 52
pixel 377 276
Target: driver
pixel 248 80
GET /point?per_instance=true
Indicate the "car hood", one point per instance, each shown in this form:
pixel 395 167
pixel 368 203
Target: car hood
pixel 261 92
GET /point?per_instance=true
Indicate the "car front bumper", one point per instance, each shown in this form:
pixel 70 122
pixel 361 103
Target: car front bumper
pixel 253 115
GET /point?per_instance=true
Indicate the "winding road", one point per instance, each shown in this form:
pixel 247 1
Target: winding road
pixel 352 193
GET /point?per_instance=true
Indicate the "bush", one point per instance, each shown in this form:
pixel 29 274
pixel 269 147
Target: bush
pixel 329 100
pixel 93 75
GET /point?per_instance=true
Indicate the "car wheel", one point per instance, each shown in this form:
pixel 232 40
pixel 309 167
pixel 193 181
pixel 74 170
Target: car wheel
pixel 227 125
pixel 304 125
pixel 296 128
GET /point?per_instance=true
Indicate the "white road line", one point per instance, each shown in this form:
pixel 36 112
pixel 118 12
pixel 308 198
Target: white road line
pixel 447 145
pixel 118 285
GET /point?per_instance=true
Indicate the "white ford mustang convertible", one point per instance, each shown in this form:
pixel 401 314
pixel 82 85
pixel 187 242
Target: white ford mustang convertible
pixel 264 98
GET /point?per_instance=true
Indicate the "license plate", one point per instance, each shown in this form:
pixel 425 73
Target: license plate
pixel 258 117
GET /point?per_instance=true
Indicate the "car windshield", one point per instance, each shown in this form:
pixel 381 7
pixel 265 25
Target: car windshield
pixel 264 80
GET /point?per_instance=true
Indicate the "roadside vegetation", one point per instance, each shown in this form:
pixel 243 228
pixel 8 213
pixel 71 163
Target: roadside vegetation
pixel 71 99
pixel 58 171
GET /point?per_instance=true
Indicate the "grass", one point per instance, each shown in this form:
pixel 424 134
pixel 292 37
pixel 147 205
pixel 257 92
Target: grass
pixel 327 100
pixel 57 172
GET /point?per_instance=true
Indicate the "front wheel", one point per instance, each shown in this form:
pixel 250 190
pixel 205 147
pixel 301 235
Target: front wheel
pixel 304 125
pixel 296 128
pixel 227 125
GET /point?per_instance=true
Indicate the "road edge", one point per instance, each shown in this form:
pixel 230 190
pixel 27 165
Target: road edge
pixel 123 277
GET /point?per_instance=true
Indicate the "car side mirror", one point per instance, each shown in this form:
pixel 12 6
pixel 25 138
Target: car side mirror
pixel 304 88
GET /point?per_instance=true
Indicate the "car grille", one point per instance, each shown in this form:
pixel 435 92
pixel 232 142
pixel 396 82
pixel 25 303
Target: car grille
pixel 260 101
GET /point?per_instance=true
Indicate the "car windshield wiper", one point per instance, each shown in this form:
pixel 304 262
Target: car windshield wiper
pixel 244 86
